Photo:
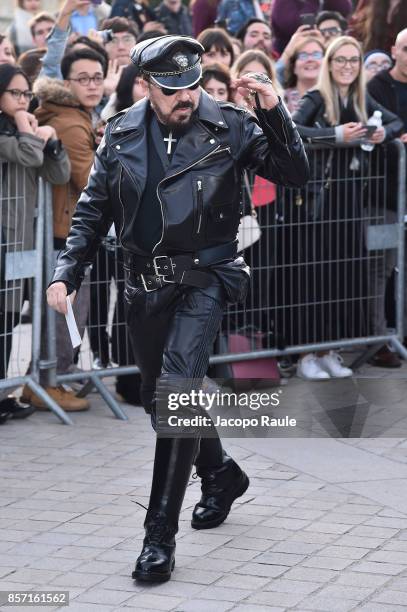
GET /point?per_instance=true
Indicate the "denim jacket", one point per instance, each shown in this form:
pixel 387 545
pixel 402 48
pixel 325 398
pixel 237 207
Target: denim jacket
pixel 235 13
pixel 51 62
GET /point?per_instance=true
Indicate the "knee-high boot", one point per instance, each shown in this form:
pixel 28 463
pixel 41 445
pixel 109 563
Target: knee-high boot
pixel 172 468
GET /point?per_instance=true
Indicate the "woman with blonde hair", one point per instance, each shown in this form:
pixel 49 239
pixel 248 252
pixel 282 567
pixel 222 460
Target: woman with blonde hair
pixel 324 238
pixel 302 71
pixel 339 98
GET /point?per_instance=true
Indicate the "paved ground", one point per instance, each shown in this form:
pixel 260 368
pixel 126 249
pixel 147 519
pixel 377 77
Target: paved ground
pixel 322 527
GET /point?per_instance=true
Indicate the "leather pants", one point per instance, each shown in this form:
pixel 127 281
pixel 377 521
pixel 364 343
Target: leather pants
pixel 172 331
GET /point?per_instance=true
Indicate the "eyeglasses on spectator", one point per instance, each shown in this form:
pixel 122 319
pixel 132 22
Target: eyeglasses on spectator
pixel 315 55
pixel 376 66
pixel 126 40
pixel 17 93
pixel 85 80
pixel 328 32
pixel 342 61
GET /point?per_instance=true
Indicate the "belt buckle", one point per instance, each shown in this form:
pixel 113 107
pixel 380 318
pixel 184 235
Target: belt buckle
pixel 143 280
pixel 157 267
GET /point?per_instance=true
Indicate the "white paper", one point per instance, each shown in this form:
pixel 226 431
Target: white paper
pixel 72 327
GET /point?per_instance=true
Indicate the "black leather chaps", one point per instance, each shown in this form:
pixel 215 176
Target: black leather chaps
pixel 172 331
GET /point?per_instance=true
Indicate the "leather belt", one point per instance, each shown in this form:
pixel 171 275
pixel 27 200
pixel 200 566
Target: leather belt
pixel 195 278
pixel 157 271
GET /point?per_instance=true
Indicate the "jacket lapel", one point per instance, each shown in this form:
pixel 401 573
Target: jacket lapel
pixel 128 142
pixel 201 139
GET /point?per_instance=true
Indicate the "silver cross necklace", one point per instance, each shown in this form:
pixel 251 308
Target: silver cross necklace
pixel 170 140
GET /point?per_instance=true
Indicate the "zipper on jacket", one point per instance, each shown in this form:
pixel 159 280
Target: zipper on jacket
pixel 200 204
pixel 120 195
pixel 280 112
pixel 214 152
pixel 120 200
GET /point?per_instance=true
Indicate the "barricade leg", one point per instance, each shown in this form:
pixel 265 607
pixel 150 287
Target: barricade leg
pixel 52 405
pixel 38 298
pixel 399 347
pixel 109 399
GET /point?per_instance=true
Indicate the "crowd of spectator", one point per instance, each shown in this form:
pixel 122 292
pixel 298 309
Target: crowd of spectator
pixel 62 76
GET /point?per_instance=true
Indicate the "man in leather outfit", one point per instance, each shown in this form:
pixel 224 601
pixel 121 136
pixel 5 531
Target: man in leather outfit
pixel 168 174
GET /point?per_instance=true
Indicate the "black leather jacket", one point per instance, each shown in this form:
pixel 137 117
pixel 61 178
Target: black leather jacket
pixel 200 193
pixel 314 127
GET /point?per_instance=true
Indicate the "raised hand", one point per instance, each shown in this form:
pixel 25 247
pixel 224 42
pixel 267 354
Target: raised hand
pixel 257 82
pixel 114 72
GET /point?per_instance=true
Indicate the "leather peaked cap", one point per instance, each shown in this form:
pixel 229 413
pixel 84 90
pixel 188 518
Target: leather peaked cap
pixel 173 62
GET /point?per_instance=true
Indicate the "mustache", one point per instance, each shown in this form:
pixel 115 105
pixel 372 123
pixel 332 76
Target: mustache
pixel 182 105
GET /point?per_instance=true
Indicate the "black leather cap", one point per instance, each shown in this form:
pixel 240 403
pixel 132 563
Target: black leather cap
pixel 173 62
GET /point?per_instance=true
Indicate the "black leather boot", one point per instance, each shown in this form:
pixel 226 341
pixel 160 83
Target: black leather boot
pixel 172 468
pixel 157 559
pixel 220 487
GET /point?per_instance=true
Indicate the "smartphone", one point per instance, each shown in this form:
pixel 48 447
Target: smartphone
pixel 370 130
pixel 308 19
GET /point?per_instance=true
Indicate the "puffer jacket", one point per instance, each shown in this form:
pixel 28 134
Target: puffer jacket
pixel 73 125
pixel 200 193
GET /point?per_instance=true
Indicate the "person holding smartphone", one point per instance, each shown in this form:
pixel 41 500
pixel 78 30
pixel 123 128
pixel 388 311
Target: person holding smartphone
pixel 329 218
pixel 286 17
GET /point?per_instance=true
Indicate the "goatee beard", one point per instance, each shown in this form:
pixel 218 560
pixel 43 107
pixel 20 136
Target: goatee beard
pixel 179 126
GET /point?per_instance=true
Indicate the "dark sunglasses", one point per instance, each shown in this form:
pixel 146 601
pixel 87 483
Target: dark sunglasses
pixel 171 92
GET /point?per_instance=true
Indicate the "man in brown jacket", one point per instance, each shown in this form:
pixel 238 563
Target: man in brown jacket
pixel 68 106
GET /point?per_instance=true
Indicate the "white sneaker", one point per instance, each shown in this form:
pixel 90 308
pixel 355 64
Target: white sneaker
pixel 332 363
pixel 308 367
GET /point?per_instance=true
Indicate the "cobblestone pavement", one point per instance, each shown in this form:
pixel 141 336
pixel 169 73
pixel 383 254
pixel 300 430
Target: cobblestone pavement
pixel 322 527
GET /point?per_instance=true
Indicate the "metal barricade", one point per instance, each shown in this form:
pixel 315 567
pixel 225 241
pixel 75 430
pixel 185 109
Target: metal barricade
pixel 21 282
pixel 92 296
pixel 317 270
pixel 106 349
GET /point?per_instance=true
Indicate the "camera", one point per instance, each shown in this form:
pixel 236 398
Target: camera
pixel 107 35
